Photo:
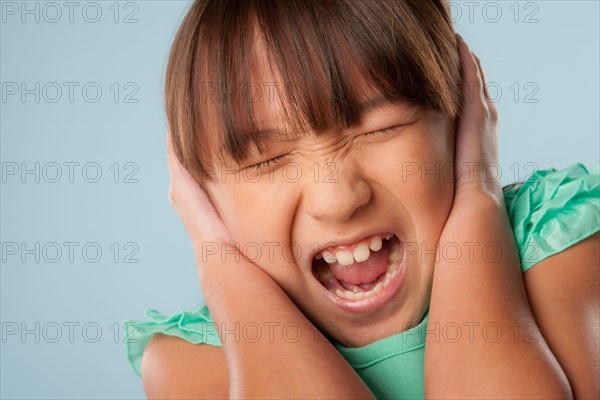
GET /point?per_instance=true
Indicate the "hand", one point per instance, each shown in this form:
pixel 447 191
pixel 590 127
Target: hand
pixel 200 219
pixel 476 154
pixel 478 193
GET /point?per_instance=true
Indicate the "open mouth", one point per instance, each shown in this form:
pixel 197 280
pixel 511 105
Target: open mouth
pixel 363 275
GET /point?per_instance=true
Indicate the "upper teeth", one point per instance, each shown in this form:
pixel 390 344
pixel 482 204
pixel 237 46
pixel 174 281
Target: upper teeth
pixel 361 253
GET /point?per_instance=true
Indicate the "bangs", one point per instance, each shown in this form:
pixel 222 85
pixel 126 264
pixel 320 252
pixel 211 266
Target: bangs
pixel 315 62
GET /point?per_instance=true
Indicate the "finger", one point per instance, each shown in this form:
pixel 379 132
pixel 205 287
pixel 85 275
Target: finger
pixel 472 115
pixel 472 82
pixel 170 150
pixel 168 137
pixel 173 163
pixel 483 78
pixel 181 179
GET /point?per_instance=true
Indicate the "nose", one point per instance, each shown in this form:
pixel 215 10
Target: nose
pixel 337 193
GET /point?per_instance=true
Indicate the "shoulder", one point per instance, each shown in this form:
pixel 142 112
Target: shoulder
pixel 564 295
pixel 552 210
pixel 175 368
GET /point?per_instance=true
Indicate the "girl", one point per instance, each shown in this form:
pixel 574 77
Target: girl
pixel 331 164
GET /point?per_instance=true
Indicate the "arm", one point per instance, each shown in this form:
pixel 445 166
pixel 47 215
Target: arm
pixel 294 363
pixel 173 368
pixel 564 292
pixel 489 297
pixel 481 292
pixel 299 363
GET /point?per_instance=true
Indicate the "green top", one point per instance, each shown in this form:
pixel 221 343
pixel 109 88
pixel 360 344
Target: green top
pixel 549 212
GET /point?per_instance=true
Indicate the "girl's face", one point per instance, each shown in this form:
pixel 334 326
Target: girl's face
pixel 351 188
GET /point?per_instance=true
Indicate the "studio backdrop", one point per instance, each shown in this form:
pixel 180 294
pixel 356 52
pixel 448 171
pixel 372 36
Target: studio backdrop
pixel 89 239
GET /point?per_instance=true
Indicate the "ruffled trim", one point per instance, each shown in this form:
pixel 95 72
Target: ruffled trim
pixel 553 210
pixel 195 326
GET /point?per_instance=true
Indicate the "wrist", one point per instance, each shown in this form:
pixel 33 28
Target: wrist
pixel 211 255
pixel 478 180
pixel 222 265
pixel 478 217
pixel 479 200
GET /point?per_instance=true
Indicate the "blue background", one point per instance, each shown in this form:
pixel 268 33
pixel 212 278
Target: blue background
pixel 547 51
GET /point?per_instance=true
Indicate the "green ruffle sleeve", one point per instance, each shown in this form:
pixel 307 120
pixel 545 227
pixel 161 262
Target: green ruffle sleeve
pixel 553 210
pixel 195 326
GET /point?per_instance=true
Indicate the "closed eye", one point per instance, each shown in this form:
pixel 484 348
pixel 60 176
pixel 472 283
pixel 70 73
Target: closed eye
pixel 273 161
pixel 386 130
pixel 265 164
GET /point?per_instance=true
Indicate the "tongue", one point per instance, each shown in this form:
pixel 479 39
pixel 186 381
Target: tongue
pixel 363 272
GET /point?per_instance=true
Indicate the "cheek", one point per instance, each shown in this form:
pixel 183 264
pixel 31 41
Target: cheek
pixel 417 169
pixel 433 181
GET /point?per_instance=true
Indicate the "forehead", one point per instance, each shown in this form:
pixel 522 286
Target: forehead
pixel 267 90
pixel 270 95
pixel 331 91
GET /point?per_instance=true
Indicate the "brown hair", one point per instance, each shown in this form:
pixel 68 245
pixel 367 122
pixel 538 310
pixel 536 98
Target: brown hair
pixel 404 49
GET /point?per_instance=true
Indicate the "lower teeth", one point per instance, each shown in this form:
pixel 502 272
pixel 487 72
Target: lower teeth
pixel 391 273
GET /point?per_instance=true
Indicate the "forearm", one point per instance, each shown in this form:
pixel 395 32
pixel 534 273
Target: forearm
pixel 499 352
pixel 293 360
